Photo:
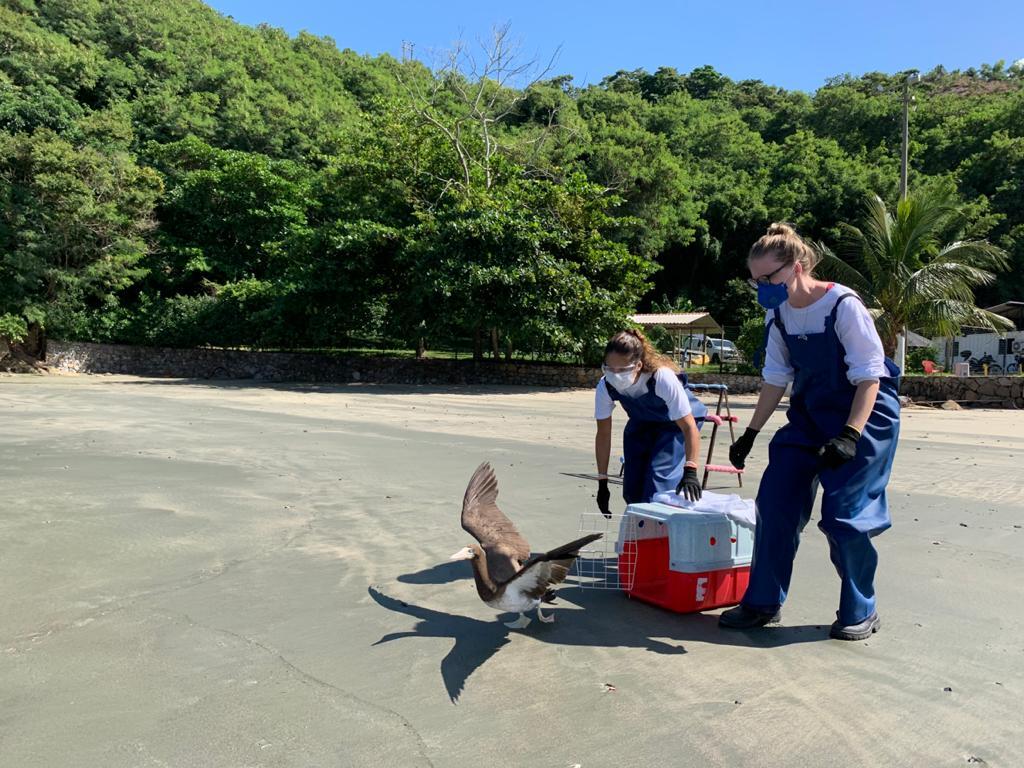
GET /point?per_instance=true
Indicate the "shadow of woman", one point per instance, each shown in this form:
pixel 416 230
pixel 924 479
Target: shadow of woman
pixel 610 620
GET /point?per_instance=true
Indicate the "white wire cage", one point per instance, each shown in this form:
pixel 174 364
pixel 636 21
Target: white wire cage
pixel 609 562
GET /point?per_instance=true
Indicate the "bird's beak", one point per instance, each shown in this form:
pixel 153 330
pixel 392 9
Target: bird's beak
pixel 463 554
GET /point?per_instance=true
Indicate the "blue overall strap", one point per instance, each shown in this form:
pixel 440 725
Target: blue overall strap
pixel 841 299
pixel 762 353
pixel 761 356
pixel 616 396
pixel 836 380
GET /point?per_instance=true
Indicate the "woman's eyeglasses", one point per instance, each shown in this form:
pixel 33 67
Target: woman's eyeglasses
pixel 622 369
pixel 765 279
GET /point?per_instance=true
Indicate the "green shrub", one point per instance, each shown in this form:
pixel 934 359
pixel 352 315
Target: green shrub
pixel 750 340
pixel 662 339
pixel 12 328
pixel 917 355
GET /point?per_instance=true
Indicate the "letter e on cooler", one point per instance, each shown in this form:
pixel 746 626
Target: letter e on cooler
pixel 702 589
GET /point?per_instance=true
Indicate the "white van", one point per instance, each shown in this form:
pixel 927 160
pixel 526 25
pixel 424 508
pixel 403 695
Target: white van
pixel 713 350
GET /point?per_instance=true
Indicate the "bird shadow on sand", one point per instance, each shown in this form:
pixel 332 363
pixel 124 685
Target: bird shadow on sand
pixel 609 620
pixel 443 573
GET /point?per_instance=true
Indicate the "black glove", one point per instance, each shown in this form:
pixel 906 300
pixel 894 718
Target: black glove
pixel 738 451
pixel 689 486
pixel 603 497
pixel 840 449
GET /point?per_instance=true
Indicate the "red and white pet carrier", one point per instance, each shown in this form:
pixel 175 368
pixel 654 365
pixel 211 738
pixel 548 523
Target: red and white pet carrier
pixel 684 558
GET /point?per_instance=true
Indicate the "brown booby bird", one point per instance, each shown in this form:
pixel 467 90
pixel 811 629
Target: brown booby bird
pixel 507 578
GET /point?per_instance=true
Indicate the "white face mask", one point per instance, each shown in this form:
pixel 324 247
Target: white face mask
pixel 620 381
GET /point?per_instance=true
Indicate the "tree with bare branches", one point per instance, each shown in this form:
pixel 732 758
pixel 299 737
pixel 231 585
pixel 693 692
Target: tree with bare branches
pixel 471 97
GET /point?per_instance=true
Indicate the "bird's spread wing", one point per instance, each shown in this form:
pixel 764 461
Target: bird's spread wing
pixel 538 576
pixel 505 547
pixel 544 571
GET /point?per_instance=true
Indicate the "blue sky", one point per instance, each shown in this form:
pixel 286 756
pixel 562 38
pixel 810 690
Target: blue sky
pixel 796 44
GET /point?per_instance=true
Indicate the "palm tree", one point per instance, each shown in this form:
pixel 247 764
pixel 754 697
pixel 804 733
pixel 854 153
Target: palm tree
pixel 909 275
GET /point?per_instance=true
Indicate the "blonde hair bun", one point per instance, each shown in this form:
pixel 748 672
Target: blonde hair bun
pixel 780 228
pixel 783 242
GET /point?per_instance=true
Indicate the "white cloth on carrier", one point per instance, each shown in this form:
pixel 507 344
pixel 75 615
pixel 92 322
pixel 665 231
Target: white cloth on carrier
pixel 742 511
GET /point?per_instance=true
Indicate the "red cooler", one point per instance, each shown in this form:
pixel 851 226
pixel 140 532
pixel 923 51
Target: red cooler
pixel 683 559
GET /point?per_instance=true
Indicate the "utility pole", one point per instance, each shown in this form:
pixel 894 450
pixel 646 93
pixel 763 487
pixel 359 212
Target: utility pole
pixel 913 77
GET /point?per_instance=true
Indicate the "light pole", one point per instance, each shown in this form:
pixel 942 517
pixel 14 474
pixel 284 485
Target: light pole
pixel 913 77
pixel 910 79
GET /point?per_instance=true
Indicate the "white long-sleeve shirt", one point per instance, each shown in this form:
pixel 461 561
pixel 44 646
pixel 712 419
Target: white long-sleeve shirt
pixel 666 386
pixel 865 359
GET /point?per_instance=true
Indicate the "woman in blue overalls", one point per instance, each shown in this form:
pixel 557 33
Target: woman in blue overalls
pixel 843 424
pixel 661 441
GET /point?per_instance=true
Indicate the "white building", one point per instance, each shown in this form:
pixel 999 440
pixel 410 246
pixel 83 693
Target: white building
pixel 1003 347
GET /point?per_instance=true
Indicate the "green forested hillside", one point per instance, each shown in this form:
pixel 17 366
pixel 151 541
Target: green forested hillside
pixel 169 176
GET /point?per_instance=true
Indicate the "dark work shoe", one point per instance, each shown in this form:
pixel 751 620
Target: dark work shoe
pixel 742 617
pixel 861 631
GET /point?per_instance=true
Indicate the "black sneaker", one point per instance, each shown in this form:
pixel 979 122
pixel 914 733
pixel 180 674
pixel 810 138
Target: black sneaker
pixel 742 617
pixel 861 631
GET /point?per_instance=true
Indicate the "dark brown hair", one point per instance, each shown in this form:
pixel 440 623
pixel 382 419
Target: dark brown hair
pixel 782 242
pixel 635 346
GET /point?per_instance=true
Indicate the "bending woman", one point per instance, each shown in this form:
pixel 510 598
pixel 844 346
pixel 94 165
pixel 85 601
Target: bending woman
pixel 843 423
pixel 661 441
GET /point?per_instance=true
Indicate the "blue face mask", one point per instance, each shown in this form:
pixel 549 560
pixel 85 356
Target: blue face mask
pixel 771 296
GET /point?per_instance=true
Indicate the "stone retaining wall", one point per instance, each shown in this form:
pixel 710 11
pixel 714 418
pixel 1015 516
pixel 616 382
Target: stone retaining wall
pixel 301 366
pixel 81 357
pixel 990 391
pixel 738 384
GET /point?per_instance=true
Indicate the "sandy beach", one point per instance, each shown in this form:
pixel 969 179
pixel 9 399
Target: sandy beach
pixel 234 574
